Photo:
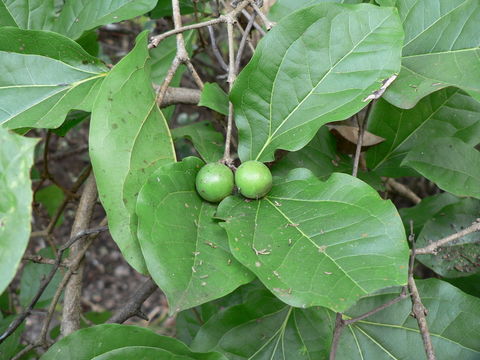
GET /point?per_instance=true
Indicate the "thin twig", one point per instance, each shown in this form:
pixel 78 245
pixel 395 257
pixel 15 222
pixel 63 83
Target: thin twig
pixel 230 17
pixel 402 190
pixel 181 57
pixel 243 41
pixel 268 24
pixel 341 323
pixel 362 124
pixel 432 248
pixel 42 338
pixel 134 304
pixel 41 260
pixel 215 49
pixel 418 309
pixel 257 27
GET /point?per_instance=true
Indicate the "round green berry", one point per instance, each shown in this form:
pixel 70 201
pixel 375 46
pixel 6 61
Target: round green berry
pixel 253 179
pixel 214 182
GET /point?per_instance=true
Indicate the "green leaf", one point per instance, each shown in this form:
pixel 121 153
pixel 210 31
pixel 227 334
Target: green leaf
pixel 129 139
pixel 89 42
pixel 43 76
pixel 441 49
pixel 207 141
pixel 164 8
pixel 51 197
pixel 318 243
pixel 78 16
pixel 448 112
pixel 32 276
pixel 282 8
pixel 458 258
pixel 425 211
pixel 311 69
pixel 86 344
pixel 73 118
pixel 386 2
pixel 16 159
pixel 450 163
pixel 27 14
pixel 143 352
pixel 453 322
pixel 469 284
pixel 11 345
pixel 319 156
pixel 185 249
pixel 213 97
pixel 266 328
pixel 263 329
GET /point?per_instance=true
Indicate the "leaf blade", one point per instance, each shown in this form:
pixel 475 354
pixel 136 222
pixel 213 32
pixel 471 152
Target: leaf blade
pixel 129 139
pixel 271 115
pixel 16 159
pixel 191 266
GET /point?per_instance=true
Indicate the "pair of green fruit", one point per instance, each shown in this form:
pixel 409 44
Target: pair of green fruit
pixel 215 181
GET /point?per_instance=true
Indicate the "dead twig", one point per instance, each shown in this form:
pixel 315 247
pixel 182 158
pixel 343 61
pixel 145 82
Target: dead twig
pixel 418 309
pixel 361 131
pixel 432 248
pixel 402 190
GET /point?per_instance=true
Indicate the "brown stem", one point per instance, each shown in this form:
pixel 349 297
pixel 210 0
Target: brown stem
pixel 418 309
pixel 180 96
pixel 134 304
pixel 72 298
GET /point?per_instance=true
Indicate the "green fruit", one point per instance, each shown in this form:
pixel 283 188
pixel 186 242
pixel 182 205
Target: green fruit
pixel 253 179
pixel 214 182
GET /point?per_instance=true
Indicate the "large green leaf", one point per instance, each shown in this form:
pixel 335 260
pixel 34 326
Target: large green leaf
pixel 265 329
pixel 458 258
pixel 144 352
pixel 207 141
pixel 315 66
pixel 282 8
pixel 319 243
pixel 43 76
pixel 453 321
pixel 450 163
pixel 185 249
pixel 441 49
pixel 129 139
pixel 88 343
pixel 448 112
pixel 16 158
pixel 78 16
pixel 27 14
